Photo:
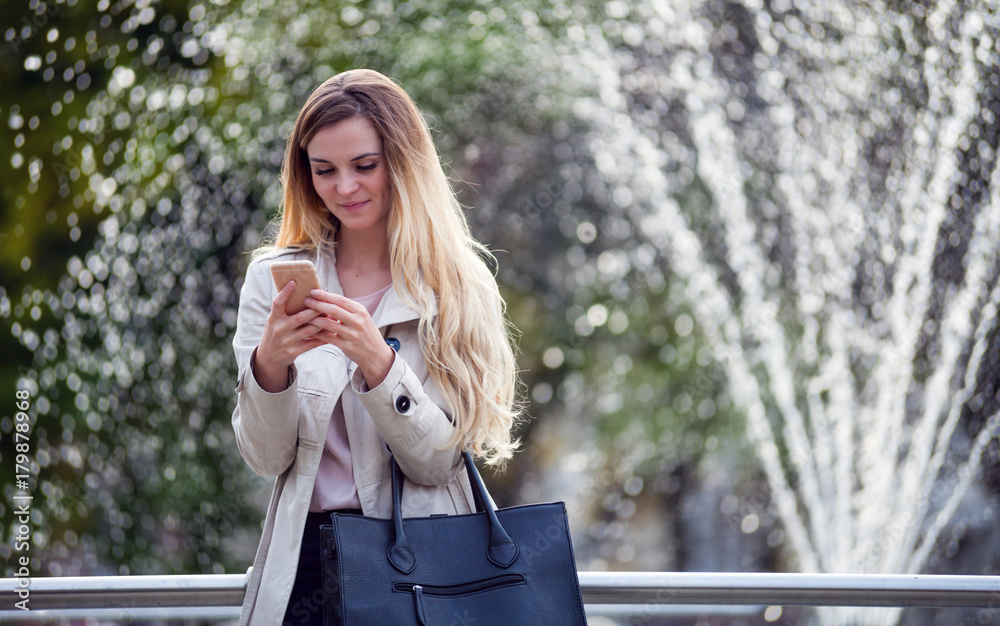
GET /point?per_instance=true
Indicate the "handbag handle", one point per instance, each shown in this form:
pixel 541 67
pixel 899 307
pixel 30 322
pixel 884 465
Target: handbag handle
pixel 502 550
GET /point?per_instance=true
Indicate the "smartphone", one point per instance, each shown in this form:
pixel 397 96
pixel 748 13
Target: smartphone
pixel 304 274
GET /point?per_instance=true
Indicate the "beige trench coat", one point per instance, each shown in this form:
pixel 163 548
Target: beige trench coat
pixel 283 434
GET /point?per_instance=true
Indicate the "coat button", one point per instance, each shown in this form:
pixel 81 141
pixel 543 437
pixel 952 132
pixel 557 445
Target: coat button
pixel 402 404
pixel 393 343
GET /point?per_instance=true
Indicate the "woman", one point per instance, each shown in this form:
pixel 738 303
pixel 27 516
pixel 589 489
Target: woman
pixel 405 347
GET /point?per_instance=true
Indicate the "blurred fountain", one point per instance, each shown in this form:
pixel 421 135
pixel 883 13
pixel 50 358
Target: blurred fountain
pixel 822 177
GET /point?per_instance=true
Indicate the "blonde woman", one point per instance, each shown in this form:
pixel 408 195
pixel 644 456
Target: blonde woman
pixel 404 347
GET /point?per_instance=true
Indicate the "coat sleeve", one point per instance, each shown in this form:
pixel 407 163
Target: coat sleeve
pixel 266 424
pixel 408 413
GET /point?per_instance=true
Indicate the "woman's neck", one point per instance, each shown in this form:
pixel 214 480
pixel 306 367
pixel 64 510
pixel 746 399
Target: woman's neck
pixel 362 262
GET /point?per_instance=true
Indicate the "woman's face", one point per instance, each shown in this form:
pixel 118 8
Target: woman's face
pixel 350 174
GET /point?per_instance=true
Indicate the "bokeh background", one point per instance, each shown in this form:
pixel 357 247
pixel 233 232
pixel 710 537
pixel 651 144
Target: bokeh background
pixel 750 247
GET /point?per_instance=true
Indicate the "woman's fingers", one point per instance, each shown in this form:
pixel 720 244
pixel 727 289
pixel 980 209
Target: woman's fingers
pixel 332 305
pixel 287 336
pixel 281 298
pixel 337 300
pixel 346 324
pixel 325 336
pixel 303 317
pixel 350 319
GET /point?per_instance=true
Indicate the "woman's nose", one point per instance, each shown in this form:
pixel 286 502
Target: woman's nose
pixel 347 185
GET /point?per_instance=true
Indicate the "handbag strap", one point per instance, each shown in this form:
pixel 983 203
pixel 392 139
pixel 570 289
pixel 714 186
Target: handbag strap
pixel 501 551
pixel 400 554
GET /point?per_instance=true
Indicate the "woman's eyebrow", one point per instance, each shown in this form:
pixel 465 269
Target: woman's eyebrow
pixel 357 158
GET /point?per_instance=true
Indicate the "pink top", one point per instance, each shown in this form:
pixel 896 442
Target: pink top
pixel 334 487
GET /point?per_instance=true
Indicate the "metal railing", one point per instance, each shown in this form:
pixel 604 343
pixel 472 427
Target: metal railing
pixel 220 595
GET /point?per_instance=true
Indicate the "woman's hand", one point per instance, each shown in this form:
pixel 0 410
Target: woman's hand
pixel 285 337
pixel 346 324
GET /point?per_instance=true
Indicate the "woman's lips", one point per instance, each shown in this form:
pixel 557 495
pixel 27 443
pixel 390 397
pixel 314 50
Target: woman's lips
pixel 353 205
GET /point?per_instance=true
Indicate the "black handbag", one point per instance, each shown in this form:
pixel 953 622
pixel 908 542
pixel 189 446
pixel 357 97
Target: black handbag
pixel 491 567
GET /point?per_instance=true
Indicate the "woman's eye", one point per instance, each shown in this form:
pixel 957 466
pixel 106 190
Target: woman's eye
pixel 322 172
pixel 366 168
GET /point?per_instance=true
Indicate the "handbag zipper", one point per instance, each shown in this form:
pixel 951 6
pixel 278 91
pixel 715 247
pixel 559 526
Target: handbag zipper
pixel 476 586
pixel 419 591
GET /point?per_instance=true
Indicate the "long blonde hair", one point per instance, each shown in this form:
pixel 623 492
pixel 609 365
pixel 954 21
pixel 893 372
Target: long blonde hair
pixel 433 257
